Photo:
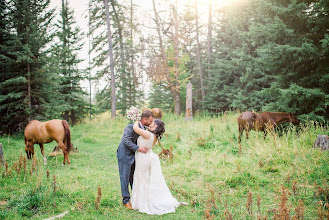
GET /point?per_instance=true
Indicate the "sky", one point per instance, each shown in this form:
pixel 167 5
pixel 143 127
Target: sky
pixel 80 8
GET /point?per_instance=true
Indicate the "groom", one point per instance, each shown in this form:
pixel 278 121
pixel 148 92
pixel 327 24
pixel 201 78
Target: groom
pixel 126 155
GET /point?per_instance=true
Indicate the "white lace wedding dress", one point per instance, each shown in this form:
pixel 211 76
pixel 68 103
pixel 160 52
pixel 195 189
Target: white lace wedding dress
pixel 150 193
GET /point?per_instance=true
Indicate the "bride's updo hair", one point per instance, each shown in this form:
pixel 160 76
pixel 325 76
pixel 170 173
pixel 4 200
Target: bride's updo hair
pixel 160 128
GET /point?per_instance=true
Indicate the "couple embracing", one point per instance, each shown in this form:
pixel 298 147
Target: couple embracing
pixel 140 167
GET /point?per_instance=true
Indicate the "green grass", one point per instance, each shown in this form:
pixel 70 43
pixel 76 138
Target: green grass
pixel 207 171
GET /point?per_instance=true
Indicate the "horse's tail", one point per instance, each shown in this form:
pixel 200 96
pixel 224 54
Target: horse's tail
pixel 67 135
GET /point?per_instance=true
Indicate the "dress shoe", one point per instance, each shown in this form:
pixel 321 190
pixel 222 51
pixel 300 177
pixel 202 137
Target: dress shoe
pixel 128 205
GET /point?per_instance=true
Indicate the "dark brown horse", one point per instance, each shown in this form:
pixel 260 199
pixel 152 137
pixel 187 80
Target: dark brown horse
pixel 263 121
pixel 37 132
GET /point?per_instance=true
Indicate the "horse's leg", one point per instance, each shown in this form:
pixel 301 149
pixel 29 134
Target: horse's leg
pixel 240 133
pixel 269 127
pixel 62 146
pixel 67 158
pixel 43 154
pixel 67 155
pixel 27 149
pixel 248 128
pixel 247 133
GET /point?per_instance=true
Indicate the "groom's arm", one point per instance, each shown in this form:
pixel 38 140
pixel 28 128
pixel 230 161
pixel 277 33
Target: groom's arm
pixel 127 138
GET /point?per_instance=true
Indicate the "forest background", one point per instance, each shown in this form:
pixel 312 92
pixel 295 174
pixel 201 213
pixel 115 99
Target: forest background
pixel 256 55
pixel 261 55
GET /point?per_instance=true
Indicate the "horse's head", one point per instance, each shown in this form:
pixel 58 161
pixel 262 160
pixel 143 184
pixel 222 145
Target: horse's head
pixel 28 154
pixel 29 150
pixel 293 119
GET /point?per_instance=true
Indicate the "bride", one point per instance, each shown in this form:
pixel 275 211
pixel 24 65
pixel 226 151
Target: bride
pixel 150 193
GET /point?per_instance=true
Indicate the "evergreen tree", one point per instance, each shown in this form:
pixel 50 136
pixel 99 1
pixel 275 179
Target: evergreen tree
pixel 231 75
pixel 103 100
pixel 298 59
pixel 160 97
pixel 73 105
pixel 271 56
pixel 13 109
pixel 25 89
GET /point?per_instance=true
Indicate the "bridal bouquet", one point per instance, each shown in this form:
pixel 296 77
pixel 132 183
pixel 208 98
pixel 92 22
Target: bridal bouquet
pixel 133 114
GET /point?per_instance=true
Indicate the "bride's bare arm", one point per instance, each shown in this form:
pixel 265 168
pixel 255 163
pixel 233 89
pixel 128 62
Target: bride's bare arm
pixel 145 134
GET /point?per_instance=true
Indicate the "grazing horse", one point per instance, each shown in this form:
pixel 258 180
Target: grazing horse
pixel 37 132
pixel 263 121
pixel 156 112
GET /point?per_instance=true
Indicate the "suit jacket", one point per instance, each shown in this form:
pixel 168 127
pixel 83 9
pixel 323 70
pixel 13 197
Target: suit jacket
pixel 128 145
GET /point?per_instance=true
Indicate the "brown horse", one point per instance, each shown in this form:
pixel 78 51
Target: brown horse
pixel 37 132
pixel 156 112
pixel 263 121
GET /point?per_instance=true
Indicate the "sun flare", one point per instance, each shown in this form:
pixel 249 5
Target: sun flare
pixel 207 2
pixel 214 3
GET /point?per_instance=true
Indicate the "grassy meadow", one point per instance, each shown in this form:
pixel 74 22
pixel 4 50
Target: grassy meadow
pixel 276 177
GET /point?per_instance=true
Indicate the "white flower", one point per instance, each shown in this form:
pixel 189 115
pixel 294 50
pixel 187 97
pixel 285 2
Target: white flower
pixel 133 113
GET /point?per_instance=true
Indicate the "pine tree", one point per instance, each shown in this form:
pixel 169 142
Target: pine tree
pixel 73 105
pixel 103 100
pixel 12 84
pixel 298 58
pixel 231 82
pixel 271 56
pixel 161 98
pixel 26 92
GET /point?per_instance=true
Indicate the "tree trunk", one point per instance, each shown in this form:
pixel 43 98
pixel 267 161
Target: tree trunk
pixel 177 102
pixel 175 40
pixel 172 86
pixel 89 62
pixel 122 57
pixel 176 61
pixel 134 82
pixel 209 35
pixel 188 111
pixel 110 53
pixel 198 52
pixel 2 160
pixel 29 89
pixel 132 42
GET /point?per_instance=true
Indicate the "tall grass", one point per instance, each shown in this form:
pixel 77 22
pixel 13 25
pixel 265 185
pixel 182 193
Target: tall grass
pixel 281 176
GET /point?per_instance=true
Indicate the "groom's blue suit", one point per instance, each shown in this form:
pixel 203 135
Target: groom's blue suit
pixel 126 160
